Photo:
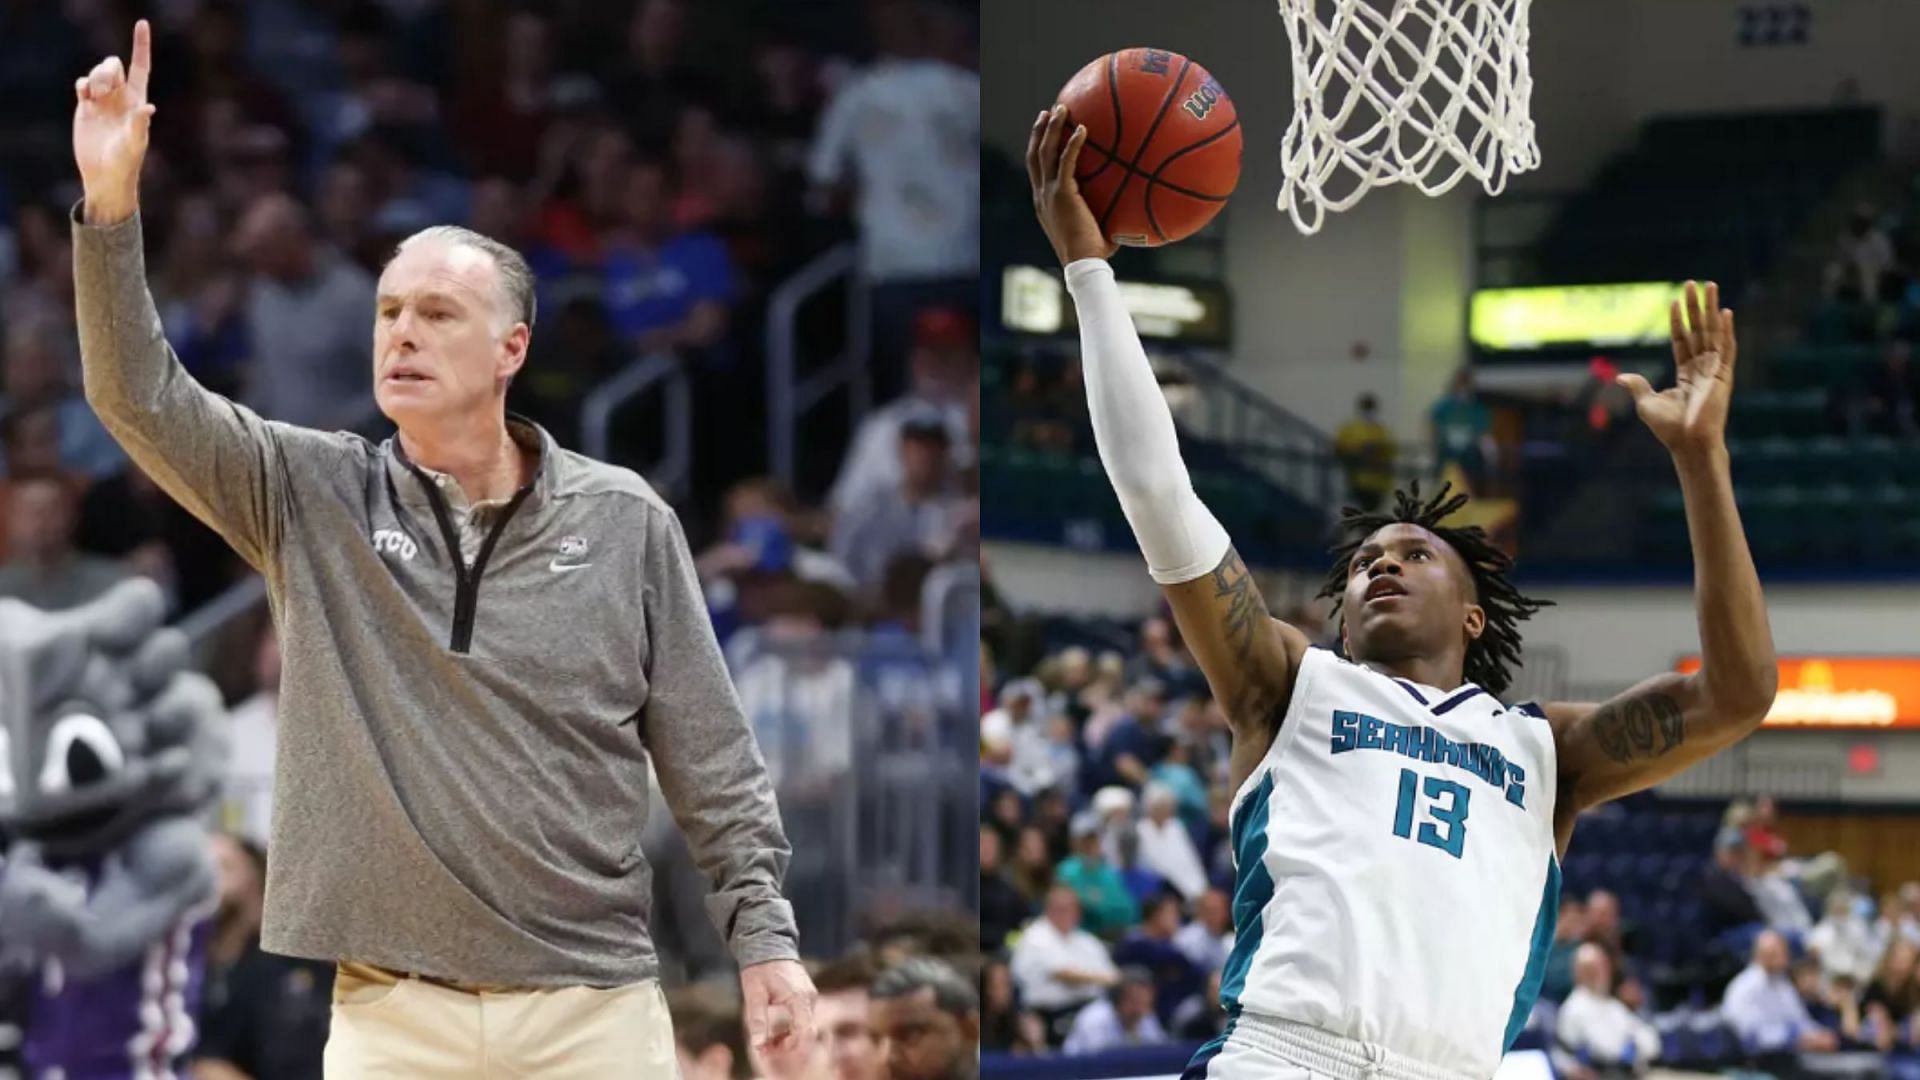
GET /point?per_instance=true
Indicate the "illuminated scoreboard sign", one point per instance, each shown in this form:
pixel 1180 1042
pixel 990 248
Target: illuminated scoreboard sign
pixel 1549 316
pixel 1035 301
pixel 1831 692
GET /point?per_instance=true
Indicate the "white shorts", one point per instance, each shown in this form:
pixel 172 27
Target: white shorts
pixel 1259 1047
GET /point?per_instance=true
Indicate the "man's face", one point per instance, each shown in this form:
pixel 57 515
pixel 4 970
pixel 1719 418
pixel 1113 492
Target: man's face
pixel 1136 1001
pixel 1063 909
pixel 1771 953
pixel 842 1019
pixel 438 347
pixel 35 444
pixel 644 200
pixel 1408 595
pixel 923 460
pixel 1215 911
pixel 923 1041
pixel 40 520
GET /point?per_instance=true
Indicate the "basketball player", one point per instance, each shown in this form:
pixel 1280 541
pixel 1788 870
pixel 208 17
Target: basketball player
pixel 491 644
pixel 1396 827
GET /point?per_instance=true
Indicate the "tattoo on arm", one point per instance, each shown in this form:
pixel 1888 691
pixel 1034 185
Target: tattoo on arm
pixel 1639 727
pixel 1246 610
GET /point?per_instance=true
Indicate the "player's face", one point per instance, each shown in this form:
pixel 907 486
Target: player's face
pixel 1408 594
pixel 439 347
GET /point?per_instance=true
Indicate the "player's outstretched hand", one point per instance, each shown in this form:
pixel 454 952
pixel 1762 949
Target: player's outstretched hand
pixel 1691 416
pixel 110 123
pixel 1052 153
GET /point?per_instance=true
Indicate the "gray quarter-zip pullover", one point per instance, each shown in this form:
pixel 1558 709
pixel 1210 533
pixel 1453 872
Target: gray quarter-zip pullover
pixel 462 770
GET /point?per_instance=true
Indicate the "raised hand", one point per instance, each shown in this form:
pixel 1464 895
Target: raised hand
pixel 1691 416
pixel 110 124
pixel 1052 154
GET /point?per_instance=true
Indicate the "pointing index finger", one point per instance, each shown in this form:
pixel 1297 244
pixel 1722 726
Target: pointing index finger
pixel 142 61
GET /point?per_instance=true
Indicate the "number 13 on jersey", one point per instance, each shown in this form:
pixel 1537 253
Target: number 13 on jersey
pixel 1446 802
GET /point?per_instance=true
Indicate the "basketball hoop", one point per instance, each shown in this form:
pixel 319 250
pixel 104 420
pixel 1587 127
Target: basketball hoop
pixel 1423 93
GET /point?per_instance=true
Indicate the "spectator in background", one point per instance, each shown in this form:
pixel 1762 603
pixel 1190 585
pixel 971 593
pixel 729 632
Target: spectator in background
pixel 1109 907
pixel 666 290
pixel 1166 847
pixel 501 112
pixel 1366 451
pixel 1005 1027
pixel 1160 657
pixel 307 315
pixel 1002 908
pixel 1463 432
pixel 842 1017
pixel 1844 942
pixel 928 1017
pixel 1723 885
pixel 1209 937
pixel 1150 947
pixel 944 375
pixel 1889 401
pixel 1764 1008
pixel 1123 1017
pixel 1779 902
pixel 1863 257
pixel 708 1034
pixel 924 515
pixel 201 295
pixel 904 138
pixel 1830 1003
pixel 37 375
pixel 42 567
pixel 1057 965
pixel 266 1016
pixel 254 728
pixel 1893 996
pixel 127 517
pixel 1569 931
pixel 1126 753
pixel 1594 1031
pixel 1033 863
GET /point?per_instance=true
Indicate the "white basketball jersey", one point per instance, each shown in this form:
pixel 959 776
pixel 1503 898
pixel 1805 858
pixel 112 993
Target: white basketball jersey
pixel 1396 881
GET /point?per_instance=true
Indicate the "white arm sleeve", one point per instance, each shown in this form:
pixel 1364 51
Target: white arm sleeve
pixel 1133 428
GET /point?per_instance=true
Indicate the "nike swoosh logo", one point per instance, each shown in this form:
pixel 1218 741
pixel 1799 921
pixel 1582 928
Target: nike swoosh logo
pixel 560 568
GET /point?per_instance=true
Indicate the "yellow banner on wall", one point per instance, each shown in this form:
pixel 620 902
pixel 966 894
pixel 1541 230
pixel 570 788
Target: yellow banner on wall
pixel 1598 315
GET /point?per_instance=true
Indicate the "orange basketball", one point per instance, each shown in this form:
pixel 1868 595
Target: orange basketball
pixel 1163 145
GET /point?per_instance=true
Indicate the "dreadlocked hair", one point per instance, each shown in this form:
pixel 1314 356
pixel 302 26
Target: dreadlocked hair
pixel 1492 655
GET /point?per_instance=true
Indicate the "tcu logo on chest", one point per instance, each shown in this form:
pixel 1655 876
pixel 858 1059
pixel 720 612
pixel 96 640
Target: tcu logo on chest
pixel 395 542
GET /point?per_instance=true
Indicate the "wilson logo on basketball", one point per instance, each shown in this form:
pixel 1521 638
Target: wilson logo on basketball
pixel 1156 61
pixel 1200 103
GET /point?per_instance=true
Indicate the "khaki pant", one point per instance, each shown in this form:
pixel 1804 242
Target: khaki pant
pixel 386 1024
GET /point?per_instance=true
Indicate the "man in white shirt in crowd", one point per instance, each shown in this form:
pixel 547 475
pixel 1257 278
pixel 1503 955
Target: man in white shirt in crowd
pixel 1595 1030
pixel 1166 847
pixel 1765 1009
pixel 1773 893
pixel 1123 1018
pixel 1209 937
pixel 1845 941
pixel 1057 965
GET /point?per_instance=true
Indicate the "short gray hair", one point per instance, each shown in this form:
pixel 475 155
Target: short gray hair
pixel 951 991
pixel 516 277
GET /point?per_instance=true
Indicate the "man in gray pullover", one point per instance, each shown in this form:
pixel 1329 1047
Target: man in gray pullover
pixel 488 641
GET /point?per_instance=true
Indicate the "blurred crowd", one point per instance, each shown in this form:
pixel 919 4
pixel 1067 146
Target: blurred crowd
pixel 661 164
pixel 1105 907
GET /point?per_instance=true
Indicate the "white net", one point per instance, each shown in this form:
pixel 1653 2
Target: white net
pixel 1420 92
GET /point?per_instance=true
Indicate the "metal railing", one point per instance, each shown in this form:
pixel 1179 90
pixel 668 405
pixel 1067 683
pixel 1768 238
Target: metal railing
pixel 664 372
pixel 792 394
pixel 871 744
